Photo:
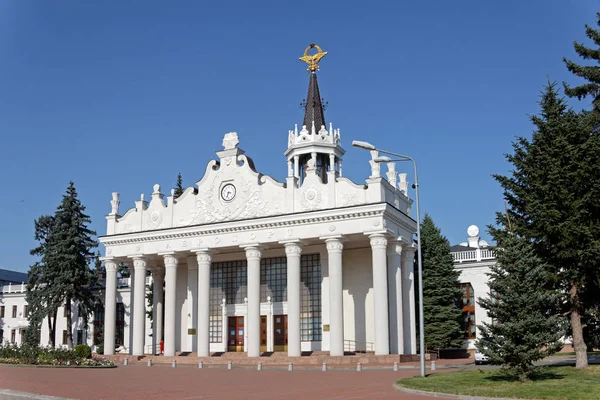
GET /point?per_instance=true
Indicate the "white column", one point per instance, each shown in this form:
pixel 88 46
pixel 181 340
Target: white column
pixel 253 255
pixel 297 167
pixel 380 292
pixel 408 293
pixel 139 311
pixel 170 306
pixel 110 307
pixel 293 252
pixel 204 259
pixel 158 277
pixel 192 303
pixel 336 306
pixel 395 294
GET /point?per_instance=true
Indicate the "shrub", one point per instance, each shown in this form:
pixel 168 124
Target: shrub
pixel 83 351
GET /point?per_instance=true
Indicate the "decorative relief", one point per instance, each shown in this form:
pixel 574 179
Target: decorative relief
pixel 311 198
pixel 350 199
pixel 248 203
pixel 184 244
pixel 331 228
pixel 252 236
pixel 155 219
pixel 109 251
pixel 376 222
pixel 137 248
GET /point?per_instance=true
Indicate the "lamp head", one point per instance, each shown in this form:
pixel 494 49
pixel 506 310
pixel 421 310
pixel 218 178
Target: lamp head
pixel 382 159
pixel 363 145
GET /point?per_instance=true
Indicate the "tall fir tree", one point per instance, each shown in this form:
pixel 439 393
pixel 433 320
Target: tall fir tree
pixel 440 290
pixel 63 276
pixel 553 194
pixel 591 73
pixel 179 186
pixel 42 298
pixel 526 323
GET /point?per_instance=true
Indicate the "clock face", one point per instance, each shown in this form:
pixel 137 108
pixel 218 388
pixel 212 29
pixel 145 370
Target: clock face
pixel 228 192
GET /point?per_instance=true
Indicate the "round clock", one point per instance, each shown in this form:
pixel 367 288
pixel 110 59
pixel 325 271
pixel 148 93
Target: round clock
pixel 228 192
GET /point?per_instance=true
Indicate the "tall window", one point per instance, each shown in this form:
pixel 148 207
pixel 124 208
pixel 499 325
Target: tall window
pixel 14 312
pixel 25 309
pixel 1 335
pixel 467 305
pixel 79 336
pixel 98 323
pixel 310 297
pixel 1 311
pixel 273 279
pixel 64 341
pixel 13 335
pixel 120 325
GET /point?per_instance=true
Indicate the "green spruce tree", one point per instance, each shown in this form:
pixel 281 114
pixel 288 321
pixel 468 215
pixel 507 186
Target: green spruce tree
pixel 179 186
pixel 440 290
pixel 43 299
pixel 68 255
pixel 553 194
pixel 591 73
pixel 526 323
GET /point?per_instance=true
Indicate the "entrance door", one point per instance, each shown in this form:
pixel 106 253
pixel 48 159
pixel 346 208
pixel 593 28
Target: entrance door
pixel 280 328
pixel 236 334
pixel 263 333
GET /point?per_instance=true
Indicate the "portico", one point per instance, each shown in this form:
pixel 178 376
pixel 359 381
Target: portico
pixel 317 263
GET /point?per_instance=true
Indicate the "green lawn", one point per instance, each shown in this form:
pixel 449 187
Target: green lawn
pixel 554 383
pixel 572 353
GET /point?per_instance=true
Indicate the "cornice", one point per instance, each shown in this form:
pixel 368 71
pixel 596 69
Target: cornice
pixel 277 221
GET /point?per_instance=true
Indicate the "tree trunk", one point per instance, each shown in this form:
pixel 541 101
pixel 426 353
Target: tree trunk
pixel 69 324
pixel 577 331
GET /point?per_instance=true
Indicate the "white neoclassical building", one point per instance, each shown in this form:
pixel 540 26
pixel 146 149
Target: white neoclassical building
pixel 315 263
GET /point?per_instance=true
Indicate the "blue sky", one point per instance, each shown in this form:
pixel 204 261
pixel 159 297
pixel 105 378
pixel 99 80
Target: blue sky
pixel 120 95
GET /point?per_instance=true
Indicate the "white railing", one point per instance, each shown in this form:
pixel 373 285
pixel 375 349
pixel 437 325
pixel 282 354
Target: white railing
pixel 473 255
pixel 10 288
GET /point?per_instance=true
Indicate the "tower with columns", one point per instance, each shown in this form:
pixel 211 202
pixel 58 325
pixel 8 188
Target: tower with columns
pixel 247 263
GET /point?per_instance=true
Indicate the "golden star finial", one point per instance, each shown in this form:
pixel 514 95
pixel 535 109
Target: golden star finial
pixel 313 60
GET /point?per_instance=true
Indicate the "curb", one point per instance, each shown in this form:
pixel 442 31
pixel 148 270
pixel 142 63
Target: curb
pixel 448 395
pixel 9 394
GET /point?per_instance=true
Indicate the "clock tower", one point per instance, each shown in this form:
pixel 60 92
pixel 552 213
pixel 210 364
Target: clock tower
pixel 314 146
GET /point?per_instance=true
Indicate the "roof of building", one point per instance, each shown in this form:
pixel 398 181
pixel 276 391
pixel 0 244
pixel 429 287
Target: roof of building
pixel 12 276
pixel 313 109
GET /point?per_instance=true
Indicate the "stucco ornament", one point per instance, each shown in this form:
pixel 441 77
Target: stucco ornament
pixel 311 198
pixel 230 140
pixel 248 203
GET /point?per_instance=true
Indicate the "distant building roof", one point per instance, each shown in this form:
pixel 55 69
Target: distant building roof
pixel 12 276
pixel 458 247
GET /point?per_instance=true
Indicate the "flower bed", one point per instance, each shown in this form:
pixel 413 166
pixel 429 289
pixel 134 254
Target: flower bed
pixel 44 356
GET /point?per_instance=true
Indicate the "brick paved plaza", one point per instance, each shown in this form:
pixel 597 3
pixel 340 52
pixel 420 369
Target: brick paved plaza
pixel 187 383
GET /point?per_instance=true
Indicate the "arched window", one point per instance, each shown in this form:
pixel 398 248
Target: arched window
pixel 467 305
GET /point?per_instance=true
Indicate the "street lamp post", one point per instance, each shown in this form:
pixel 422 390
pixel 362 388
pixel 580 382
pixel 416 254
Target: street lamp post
pixel 402 157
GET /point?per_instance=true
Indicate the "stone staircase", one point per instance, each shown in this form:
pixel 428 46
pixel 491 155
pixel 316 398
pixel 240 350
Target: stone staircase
pixel 315 358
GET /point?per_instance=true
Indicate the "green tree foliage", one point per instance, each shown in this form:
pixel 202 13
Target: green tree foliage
pixel 591 73
pixel 179 186
pixel 553 194
pixel 440 290
pixel 63 275
pixel 527 325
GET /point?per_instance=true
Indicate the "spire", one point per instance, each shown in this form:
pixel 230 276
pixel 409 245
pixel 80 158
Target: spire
pixel 313 109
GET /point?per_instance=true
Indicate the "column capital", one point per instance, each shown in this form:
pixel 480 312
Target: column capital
pixel 170 259
pixel 378 240
pixel 139 262
pixel 334 243
pixel 253 251
pixel 409 249
pixel 110 265
pixel 203 255
pixel 293 248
